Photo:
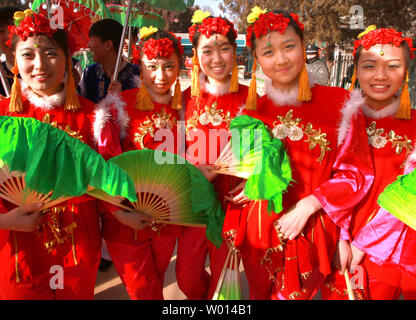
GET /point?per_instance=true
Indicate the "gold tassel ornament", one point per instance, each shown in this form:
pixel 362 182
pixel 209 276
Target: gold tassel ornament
pixel 405 110
pixel 353 80
pixel 144 100
pixel 251 102
pixel 71 96
pixel 177 96
pixel 16 103
pixel 234 76
pixel 305 93
pixel 195 89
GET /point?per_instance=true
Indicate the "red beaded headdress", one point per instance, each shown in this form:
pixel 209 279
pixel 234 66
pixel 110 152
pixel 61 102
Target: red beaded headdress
pixel 262 22
pixel 28 24
pixel 153 48
pixel 373 36
pixel 203 23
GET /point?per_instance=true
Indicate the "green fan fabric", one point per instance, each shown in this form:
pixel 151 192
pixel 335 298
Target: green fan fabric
pixel 399 198
pixel 272 172
pixel 54 161
pixel 180 175
pixel 230 288
pixel 137 19
pixel 98 6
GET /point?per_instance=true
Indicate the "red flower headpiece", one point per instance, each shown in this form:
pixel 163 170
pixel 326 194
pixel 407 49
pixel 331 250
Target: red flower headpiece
pixel 270 21
pixel 212 25
pixel 164 47
pixel 383 36
pixel 32 24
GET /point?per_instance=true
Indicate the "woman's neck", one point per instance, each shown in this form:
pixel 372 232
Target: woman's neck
pixel 377 105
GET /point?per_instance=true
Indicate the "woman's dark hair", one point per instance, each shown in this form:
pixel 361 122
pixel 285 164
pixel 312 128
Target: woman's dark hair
pixel 161 34
pixel 107 29
pixel 230 35
pixel 403 45
pixel 292 23
pixel 6 15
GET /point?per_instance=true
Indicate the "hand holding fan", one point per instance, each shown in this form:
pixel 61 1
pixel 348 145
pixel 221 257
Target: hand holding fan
pixel 174 192
pixel 253 153
pixel 39 163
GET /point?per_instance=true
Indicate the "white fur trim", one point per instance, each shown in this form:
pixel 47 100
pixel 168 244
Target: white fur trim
pixel 45 103
pixel 101 116
pixel 214 90
pixel 123 118
pixel 285 98
pixel 387 111
pixel 350 108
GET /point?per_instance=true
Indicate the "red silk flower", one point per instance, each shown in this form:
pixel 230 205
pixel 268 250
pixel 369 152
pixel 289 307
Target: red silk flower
pixel 212 25
pixel 270 21
pixel 383 36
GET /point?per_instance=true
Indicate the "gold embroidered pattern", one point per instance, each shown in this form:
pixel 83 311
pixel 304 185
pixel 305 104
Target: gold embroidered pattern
pixel 378 139
pixel 209 115
pixel 162 120
pixel 74 134
pixel 60 235
pixel 292 129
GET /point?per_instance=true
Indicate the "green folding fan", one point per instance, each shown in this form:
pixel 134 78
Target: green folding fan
pixel 229 283
pixel 399 198
pixel 40 163
pixel 172 191
pixel 254 154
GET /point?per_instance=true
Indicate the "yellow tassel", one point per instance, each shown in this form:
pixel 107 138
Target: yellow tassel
pixel 144 100
pixel 177 96
pixel 305 93
pixel 405 111
pixel 251 102
pixel 234 76
pixel 195 89
pixel 353 80
pixel 71 96
pixel 16 103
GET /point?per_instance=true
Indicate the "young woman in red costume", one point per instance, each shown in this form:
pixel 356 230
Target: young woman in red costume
pixel 287 255
pixel 382 57
pixel 212 101
pixel 67 235
pixel 141 118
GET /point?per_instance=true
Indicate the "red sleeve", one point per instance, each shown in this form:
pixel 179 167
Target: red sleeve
pixel 353 175
pixel 4 234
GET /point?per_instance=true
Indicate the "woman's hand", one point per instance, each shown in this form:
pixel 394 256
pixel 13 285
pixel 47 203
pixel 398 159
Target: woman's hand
pixel 343 256
pixel 357 256
pixel 237 195
pixel 295 219
pixel 114 87
pixel 23 219
pixel 206 170
pixel 133 219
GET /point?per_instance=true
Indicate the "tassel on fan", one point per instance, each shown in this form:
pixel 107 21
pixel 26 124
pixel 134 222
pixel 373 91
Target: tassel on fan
pixel 39 163
pixel 399 198
pixel 172 193
pixel 253 153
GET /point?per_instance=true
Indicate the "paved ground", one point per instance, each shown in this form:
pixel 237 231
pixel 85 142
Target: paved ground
pixel 110 287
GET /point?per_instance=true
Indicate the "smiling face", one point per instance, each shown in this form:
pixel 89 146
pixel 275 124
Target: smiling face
pixel 381 76
pixel 281 57
pixel 216 57
pixel 41 64
pixel 160 74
